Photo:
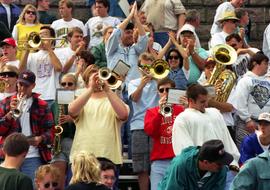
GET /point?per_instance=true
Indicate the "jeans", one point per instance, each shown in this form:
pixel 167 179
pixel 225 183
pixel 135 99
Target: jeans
pixel 29 166
pixel 158 169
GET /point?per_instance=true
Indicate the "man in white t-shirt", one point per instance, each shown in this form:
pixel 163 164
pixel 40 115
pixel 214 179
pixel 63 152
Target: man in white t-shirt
pixel 228 22
pixel 97 24
pixel 226 6
pixel 9 49
pixel 62 26
pixel 45 65
pixel 69 55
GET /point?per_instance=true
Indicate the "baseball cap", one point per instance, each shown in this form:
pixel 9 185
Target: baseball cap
pixel 27 77
pixel 9 41
pixel 213 151
pixel 264 117
pixel 187 28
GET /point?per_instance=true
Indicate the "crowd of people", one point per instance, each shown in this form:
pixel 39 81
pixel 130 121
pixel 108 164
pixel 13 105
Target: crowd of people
pixel 68 103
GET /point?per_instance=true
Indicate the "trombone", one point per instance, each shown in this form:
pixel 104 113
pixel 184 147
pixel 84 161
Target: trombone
pixel 34 41
pixel 159 69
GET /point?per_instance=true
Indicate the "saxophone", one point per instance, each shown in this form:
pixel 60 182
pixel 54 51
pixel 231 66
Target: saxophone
pixel 58 131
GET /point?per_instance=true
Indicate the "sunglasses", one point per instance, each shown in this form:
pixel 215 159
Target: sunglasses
pixel 32 12
pixel 50 184
pixel 161 90
pixel 173 57
pixel 67 84
pixel 8 74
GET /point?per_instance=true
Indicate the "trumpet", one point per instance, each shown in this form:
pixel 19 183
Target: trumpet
pixel 111 77
pixel 34 41
pixel 17 112
pixel 166 110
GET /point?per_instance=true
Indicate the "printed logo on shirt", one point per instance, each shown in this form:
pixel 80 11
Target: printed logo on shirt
pixel 240 66
pixel 44 69
pixel 260 92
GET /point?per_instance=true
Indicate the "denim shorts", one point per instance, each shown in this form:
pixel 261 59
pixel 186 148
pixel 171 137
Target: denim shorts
pixel 66 144
pixel 140 151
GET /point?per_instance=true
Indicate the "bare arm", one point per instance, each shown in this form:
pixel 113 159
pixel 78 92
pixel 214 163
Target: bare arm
pixel 181 20
pixel 55 61
pixel 163 51
pixel 221 106
pixel 23 61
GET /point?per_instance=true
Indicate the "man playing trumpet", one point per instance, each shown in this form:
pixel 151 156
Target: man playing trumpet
pixel 34 119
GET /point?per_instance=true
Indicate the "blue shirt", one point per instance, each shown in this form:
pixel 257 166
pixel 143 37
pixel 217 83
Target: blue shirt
pixel 116 51
pixel 149 98
pixel 179 78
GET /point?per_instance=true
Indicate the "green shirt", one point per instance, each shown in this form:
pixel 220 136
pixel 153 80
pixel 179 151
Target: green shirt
pixel 100 55
pixel 12 179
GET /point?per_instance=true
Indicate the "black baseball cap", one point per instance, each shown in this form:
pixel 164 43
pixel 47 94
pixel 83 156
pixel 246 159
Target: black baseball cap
pixel 213 151
pixel 27 77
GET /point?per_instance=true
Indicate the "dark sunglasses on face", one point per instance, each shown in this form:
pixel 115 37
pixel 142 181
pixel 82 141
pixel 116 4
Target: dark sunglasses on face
pixel 173 57
pixel 67 84
pixel 8 74
pixel 161 90
pixel 50 184
pixel 32 12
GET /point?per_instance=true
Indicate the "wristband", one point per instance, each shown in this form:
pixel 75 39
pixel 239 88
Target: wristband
pixel 192 53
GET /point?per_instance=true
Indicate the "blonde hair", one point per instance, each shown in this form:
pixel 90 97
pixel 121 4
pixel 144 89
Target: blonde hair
pixel 69 75
pixel 21 17
pixel 85 168
pixel 43 170
pixel 10 68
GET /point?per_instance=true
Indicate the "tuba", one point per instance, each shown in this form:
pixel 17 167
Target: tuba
pixel 223 79
pixel 159 69
pixel 111 77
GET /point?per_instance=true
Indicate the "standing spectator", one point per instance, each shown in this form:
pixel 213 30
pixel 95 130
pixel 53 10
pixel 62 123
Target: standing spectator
pixel 173 17
pixel 47 178
pixel 228 23
pixel 63 25
pixel 35 121
pixel 222 8
pixel 28 22
pixel 9 75
pixel 69 55
pixel 43 7
pixel 9 14
pixel 98 129
pixel 251 96
pixel 254 174
pixel 193 21
pixel 198 168
pixel 143 93
pixel 99 51
pixel 159 128
pixel 15 149
pixel 45 65
pixel 86 173
pixel 127 50
pixel 197 56
pixel 9 50
pixel 258 142
pixel 97 24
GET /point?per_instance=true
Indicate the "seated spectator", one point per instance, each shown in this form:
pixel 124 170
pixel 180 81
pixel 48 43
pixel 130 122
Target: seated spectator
pixel 9 49
pixel 47 178
pixel 8 76
pixel 86 173
pixel 210 64
pixel 15 149
pixel 198 168
pixel 108 172
pixel 257 142
pixel 254 174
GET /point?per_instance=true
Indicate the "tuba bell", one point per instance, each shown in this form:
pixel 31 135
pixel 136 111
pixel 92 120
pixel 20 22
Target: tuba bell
pixel 159 69
pixel 223 79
